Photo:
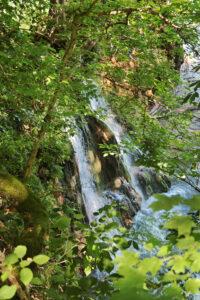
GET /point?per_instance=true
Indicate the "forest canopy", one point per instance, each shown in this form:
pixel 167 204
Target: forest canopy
pixel 55 56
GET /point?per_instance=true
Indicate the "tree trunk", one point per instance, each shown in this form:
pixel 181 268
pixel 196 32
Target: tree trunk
pixel 53 101
pixel 55 98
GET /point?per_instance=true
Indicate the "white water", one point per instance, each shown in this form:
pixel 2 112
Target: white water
pixel 147 223
pixel 118 130
pixel 92 200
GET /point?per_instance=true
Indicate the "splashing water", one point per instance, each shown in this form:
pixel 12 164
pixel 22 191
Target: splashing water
pixel 92 200
pixel 147 223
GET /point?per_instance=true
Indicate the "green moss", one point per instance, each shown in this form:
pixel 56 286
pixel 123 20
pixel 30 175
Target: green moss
pixel 36 223
pixel 11 187
pixel 30 208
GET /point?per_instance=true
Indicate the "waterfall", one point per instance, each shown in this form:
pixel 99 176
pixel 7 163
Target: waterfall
pixel 92 200
pixel 98 103
pixel 94 197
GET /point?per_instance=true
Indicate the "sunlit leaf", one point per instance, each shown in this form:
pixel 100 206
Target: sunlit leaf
pixel 41 259
pixel 7 292
pixel 11 259
pixel 165 203
pixel 152 265
pixel 26 275
pixel 185 243
pixel 163 251
pixel 179 263
pixel 192 285
pixel 183 224
pixel 20 251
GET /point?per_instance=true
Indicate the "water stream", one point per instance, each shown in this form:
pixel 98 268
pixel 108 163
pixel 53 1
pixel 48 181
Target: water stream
pixel 119 132
pixel 92 200
pixel 93 197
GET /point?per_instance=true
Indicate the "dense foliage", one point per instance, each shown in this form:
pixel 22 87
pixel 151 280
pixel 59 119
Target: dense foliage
pixel 52 54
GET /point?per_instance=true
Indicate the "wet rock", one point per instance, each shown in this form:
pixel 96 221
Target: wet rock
pixel 72 183
pixel 152 182
pixel 107 167
pixel 127 199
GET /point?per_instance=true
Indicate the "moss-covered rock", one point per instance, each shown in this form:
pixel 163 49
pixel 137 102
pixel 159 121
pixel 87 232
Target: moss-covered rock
pixel 16 196
pixel 36 223
pixel 12 188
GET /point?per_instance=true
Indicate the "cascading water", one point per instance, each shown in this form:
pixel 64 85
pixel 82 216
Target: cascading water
pixel 95 198
pixel 110 120
pixel 92 200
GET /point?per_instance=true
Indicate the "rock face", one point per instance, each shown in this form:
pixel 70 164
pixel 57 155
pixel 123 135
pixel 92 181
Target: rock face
pixel 71 183
pixel 107 167
pixel 152 182
pixel 102 179
pixel 127 199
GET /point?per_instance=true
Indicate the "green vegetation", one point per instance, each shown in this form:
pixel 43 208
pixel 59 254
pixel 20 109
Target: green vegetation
pixel 52 56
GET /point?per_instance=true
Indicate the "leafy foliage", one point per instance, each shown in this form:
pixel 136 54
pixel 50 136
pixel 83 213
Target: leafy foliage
pixel 14 270
pixel 50 54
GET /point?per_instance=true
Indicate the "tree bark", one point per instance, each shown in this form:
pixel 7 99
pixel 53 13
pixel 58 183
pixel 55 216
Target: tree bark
pixel 53 101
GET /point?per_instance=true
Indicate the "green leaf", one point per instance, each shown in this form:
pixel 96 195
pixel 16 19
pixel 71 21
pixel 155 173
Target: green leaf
pixel 195 258
pixel 62 222
pixel 4 276
pixel 165 202
pixel 131 279
pixel 195 267
pixel 36 281
pixel 11 259
pixel 183 224
pixel 192 285
pixel 26 275
pixel 20 251
pixel 25 263
pixel 171 277
pixel 7 292
pixel 79 216
pixel 41 259
pixel 150 264
pixel 194 203
pixel 148 246
pixel 185 243
pixel 108 265
pixel 173 292
pixel 163 251
pixel 179 263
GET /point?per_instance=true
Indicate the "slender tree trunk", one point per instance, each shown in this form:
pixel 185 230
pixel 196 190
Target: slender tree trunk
pixel 53 101
pixel 55 98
